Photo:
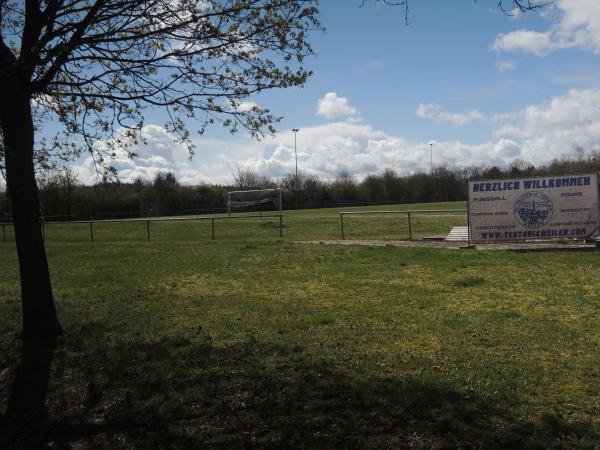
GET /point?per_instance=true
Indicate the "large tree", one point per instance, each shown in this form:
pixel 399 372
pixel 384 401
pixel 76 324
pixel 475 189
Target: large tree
pixel 95 66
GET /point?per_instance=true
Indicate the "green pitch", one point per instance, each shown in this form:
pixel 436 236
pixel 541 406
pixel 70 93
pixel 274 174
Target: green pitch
pixel 297 225
pixel 262 342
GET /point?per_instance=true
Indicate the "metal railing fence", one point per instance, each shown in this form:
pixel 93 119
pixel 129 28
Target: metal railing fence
pixel 148 222
pixel 409 214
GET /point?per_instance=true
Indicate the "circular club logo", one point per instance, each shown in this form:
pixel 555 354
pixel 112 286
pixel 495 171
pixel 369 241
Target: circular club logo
pixel 533 209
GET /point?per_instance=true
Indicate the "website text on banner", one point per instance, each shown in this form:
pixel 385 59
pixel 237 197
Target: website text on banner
pixel 555 207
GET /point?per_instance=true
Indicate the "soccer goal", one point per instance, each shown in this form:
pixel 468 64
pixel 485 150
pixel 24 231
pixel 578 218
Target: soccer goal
pixel 255 200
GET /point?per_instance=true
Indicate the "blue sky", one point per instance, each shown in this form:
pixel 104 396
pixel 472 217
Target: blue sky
pixel 486 88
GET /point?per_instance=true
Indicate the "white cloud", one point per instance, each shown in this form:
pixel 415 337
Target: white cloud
pixel 438 114
pixel 577 26
pixel 327 149
pixel 503 117
pixel 516 14
pixel 557 127
pixel 160 154
pixel 360 149
pixel 527 41
pixel 213 162
pixel 331 106
pixel 505 66
pixel 244 107
pixel 536 134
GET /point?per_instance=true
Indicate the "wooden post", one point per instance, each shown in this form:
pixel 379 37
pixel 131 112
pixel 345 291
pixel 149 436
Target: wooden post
pixel 91 232
pixel 410 237
pixel 148 229
pixel 468 224
pixel 342 224
pixel 212 228
pixel 280 226
pixel 3 232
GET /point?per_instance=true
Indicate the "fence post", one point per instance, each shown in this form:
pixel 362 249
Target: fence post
pixel 212 228
pixel 3 232
pixel 91 232
pixel 468 225
pixel 342 224
pixel 410 237
pixel 148 229
pixel 280 226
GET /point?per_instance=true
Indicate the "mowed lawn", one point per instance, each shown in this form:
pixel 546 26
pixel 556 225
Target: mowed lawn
pixel 306 224
pixel 263 342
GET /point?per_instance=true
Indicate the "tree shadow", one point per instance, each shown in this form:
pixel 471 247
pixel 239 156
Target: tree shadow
pixel 180 393
pixel 25 419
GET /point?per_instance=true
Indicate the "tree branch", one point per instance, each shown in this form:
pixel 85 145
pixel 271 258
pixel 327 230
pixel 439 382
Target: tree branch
pixel 42 83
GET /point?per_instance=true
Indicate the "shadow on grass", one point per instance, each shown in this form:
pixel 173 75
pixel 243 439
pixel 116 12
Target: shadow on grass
pixel 25 421
pixel 179 393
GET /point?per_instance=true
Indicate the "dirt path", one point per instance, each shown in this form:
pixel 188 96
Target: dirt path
pixel 512 246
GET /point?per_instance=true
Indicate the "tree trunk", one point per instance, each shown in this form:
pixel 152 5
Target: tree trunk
pixel 39 314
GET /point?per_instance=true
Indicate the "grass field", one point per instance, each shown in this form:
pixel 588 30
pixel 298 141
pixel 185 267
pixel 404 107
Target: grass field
pixel 308 224
pixel 256 341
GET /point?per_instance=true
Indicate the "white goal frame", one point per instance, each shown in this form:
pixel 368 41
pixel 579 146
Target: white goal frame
pixel 273 199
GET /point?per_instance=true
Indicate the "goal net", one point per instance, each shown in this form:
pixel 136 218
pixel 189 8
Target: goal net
pixel 255 200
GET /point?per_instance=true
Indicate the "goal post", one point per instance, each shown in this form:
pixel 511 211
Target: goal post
pixel 253 199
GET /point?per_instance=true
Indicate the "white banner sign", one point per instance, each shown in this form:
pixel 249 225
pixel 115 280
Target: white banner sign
pixel 555 207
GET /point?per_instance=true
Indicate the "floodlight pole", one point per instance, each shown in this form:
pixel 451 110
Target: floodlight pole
pixel 295 130
pixel 431 157
pixel 280 204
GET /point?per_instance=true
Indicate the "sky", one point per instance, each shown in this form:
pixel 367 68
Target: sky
pixel 462 80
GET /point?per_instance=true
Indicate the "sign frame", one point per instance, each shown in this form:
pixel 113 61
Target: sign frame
pixel 474 240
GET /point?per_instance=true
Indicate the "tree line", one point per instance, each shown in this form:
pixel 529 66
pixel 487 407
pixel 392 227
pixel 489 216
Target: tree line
pixel 63 197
